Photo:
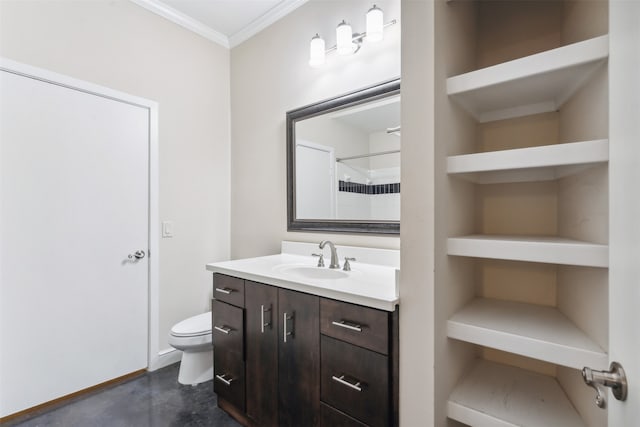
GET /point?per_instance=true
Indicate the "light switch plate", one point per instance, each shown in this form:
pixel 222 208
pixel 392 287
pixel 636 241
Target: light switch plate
pixel 167 228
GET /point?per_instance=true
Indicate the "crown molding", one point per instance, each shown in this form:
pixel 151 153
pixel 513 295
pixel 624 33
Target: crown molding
pixel 183 20
pixel 262 22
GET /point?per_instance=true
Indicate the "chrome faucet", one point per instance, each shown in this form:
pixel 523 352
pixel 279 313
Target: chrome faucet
pixel 334 254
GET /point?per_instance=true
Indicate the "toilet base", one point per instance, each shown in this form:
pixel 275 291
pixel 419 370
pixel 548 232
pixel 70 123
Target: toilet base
pixel 196 367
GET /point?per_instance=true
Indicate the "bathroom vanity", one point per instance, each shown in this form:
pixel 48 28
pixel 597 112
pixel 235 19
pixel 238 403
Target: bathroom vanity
pixel 312 347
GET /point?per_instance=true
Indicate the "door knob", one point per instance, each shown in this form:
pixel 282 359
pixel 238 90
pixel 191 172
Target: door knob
pixel 614 378
pixel 137 255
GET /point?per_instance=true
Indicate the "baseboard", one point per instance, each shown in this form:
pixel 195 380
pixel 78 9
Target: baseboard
pixel 165 357
pixel 39 409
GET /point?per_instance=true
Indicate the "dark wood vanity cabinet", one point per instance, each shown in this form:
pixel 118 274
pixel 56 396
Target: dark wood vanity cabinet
pixel 283 356
pixel 298 359
pixel 262 353
pixel 308 361
pixel 359 368
pixel 228 337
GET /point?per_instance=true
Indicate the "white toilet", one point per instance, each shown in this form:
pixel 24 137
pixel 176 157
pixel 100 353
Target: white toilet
pixel 193 336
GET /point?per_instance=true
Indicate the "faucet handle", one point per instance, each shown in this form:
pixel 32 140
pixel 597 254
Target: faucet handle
pixel 320 259
pixel 347 266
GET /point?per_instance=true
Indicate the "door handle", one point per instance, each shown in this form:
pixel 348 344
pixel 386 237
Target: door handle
pixel 136 255
pixel 614 378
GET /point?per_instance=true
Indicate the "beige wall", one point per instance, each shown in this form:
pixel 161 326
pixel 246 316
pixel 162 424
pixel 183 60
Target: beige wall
pixel 269 76
pixel 122 46
pixel 417 287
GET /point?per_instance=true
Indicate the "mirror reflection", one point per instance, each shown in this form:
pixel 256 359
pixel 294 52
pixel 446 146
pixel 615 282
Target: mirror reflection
pixel 343 163
pixel 348 163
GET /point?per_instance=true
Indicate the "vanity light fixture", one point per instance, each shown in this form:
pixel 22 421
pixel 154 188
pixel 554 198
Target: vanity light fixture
pixel 344 39
pixel 375 24
pixel 348 42
pixel 316 51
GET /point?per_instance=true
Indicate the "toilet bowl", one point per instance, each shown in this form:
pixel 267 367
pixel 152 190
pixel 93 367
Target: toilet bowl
pixel 193 336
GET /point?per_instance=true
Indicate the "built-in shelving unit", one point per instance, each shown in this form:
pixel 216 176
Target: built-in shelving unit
pixel 493 394
pixel 531 330
pixel 530 85
pixel 522 208
pixel 553 250
pixel 544 163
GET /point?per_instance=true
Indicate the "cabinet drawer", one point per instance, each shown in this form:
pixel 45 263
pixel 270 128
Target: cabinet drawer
pixel 362 326
pixel 355 381
pixel 331 417
pixel 228 380
pixel 228 331
pixel 228 289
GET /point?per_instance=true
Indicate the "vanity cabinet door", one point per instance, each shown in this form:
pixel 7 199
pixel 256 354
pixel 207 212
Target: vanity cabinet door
pixel 331 417
pixel 261 331
pixel 355 381
pixel 229 378
pixel 363 326
pixel 228 289
pixel 228 327
pixel 299 359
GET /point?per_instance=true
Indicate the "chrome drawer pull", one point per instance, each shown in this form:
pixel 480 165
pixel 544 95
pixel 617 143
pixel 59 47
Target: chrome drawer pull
pixel 223 329
pixel 225 291
pixel 223 379
pixel 262 322
pixel 286 333
pixel 342 381
pixel 347 325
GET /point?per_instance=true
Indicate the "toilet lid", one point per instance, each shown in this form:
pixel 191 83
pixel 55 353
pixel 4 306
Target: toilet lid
pixel 196 325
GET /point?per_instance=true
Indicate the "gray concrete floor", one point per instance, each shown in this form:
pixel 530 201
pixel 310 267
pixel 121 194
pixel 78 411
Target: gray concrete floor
pixel 153 399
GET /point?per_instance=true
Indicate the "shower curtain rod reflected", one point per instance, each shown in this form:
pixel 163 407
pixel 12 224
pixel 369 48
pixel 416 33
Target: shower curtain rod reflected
pixel 381 153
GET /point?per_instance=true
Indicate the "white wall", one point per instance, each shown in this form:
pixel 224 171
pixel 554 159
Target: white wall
pixel 269 76
pixel 417 282
pixel 117 44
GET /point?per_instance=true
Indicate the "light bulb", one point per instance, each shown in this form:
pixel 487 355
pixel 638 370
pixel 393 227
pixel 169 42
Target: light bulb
pixel 344 38
pixel 316 51
pixel 375 24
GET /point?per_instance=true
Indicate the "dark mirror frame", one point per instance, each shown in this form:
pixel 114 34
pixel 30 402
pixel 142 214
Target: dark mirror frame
pixel 361 96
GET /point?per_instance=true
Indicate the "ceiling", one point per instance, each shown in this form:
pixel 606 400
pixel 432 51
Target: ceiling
pixel 227 22
pixel 372 116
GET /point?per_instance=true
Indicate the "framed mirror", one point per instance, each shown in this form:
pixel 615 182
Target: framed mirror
pixel 343 163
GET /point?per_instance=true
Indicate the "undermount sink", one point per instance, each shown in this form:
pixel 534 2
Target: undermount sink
pixel 307 272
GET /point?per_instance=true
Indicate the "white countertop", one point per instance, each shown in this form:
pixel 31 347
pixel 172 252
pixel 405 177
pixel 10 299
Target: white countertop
pixel 367 284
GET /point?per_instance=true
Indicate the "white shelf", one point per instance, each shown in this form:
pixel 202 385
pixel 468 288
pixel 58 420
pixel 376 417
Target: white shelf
pixel 535 331
pixel 552 250
pixel 498 395
pixel 534 84
pixel 544 163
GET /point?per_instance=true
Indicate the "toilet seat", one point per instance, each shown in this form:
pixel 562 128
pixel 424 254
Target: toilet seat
pixel 193 327
pixel 193 337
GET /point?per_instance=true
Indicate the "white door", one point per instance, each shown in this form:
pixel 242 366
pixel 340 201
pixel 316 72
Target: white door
pixel 624 178
pixel 315 181
pixel 74 182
